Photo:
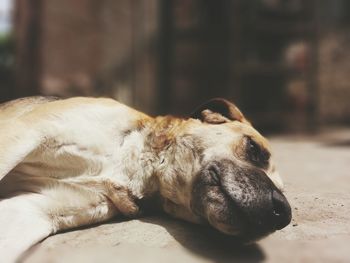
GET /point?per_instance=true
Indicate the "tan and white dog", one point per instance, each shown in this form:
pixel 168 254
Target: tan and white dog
pixel 74 162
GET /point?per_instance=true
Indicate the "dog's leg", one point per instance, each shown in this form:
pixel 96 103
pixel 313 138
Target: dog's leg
pixel 22 224
pixel 16 142
pixel 118 194
pixel 28 218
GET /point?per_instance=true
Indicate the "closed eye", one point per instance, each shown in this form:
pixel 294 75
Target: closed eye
pixel 256 153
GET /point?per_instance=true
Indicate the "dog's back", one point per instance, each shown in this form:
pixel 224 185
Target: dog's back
pixel 18 107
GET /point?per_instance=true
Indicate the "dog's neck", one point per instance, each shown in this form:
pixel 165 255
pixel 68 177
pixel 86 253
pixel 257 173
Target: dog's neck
pixel 160 169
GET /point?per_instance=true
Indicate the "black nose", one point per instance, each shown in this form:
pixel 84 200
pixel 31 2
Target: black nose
pixel 282 214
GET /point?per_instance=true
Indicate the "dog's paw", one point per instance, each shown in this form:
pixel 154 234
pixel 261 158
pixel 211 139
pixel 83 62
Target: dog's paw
pixel 129 208
pixel 123 200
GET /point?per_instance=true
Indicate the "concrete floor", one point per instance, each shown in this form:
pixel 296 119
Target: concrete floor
pixel 316 172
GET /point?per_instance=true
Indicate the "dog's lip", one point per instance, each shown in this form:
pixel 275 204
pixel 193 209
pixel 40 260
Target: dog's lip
pixel 243 234
pixel 227 229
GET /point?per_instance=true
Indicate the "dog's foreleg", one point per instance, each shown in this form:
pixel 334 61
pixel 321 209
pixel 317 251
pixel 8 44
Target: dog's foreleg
pixel 117 194
pixel 122 199
pixel 22 224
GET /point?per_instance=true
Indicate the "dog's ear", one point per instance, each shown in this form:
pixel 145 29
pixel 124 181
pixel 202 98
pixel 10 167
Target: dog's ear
pixel 217 111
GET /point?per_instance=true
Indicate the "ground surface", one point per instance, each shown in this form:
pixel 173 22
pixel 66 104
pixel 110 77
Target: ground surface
pixel 316 172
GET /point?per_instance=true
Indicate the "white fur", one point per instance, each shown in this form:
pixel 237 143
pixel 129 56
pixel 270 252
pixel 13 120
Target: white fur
pixel 22 224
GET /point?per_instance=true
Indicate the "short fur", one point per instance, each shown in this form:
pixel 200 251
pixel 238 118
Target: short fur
pixel 79 161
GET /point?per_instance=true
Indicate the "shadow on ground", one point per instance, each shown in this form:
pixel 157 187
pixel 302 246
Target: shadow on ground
pixel 208 243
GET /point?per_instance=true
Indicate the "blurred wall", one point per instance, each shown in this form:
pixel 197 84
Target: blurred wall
pixel 283 62
pixel 87 47
pixel 334 76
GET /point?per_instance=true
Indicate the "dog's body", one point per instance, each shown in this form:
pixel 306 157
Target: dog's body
pixel 79 161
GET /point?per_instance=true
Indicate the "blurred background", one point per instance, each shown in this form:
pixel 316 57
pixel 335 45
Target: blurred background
pixel 285 63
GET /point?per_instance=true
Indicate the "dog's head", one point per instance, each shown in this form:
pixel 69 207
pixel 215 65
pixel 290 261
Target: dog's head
pixel 231 182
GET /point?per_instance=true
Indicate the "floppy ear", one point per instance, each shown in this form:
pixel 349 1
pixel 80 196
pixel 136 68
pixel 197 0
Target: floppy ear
pixel 217 111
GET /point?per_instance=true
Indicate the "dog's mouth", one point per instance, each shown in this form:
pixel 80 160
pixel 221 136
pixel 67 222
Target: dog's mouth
pixel 239 201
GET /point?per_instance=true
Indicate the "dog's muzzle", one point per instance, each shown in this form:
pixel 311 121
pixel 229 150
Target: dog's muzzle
pixel 240 201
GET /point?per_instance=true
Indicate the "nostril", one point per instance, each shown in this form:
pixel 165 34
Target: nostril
pixel 281 210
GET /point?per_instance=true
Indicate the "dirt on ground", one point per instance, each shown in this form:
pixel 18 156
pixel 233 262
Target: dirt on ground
pixel 316 173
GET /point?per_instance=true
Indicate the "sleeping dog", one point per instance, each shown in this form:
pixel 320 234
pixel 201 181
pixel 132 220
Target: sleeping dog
pixel 79 161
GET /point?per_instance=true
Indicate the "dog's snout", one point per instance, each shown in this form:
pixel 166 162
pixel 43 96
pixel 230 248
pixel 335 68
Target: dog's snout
pixel 239 200
pixel 281 210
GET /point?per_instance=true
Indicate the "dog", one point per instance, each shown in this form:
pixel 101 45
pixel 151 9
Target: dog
pixel 66 163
